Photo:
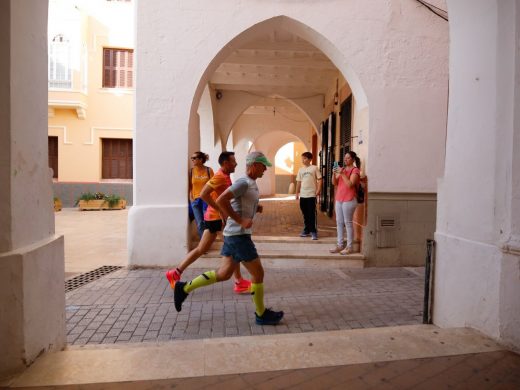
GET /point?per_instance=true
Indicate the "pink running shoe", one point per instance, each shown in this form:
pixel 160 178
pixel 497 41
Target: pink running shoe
pixel 242 287
pixel 173 275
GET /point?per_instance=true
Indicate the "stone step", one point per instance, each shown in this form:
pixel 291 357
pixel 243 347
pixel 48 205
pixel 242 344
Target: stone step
pixel 289 239
pixel 121 364
pixel 213 260
pixel 297 240
pixel 276 251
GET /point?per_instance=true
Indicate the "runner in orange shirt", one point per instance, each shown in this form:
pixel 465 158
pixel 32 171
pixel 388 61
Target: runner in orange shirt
pixel 213 218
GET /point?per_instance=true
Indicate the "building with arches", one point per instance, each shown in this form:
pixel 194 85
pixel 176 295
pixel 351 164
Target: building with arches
pixel 248 68
pixel 91 69
pixel 393 56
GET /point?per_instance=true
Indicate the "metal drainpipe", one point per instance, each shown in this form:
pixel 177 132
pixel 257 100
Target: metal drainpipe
pixel 428 281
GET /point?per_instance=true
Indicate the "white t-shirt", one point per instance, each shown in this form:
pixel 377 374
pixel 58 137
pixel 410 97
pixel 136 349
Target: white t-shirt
pixel 308 176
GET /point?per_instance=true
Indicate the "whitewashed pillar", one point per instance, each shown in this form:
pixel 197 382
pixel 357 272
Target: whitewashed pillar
pixel 477 280
pixel 32 293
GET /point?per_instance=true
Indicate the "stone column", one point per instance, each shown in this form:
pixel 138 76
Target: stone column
pixel 158 220
pixel 32 294
pixel 477 278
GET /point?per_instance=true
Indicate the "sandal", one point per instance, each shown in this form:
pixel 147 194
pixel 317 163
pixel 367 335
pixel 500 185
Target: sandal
pixel 337 249
pixel 346 251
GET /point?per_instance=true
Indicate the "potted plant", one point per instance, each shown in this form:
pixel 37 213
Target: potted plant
pixel 57 204
pixel 100 201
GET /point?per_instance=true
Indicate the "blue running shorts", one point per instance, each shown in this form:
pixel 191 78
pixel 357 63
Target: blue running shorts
pixel 239 248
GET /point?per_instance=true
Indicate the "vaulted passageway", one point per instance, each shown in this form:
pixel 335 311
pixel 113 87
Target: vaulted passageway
pixel 269 86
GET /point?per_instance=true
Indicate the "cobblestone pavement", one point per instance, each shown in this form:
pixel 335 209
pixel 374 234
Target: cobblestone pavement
pixel 137 305
pixel 282 217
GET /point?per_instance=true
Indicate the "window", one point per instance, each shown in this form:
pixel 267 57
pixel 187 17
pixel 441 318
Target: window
pixel 60 72
pixel 117 158
pixel 53 156
pixel 118 68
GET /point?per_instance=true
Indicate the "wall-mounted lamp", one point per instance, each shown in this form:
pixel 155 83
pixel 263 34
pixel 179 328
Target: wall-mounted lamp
pixel 218 95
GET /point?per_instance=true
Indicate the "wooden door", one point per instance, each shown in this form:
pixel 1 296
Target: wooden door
pixel 53 156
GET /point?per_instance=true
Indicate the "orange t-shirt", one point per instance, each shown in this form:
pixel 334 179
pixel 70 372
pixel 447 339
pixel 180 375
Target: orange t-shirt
pixel 219 182
pixel 344 193
pixel 199 177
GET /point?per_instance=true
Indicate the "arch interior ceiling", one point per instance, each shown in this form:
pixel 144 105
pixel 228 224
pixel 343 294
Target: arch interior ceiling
pixel 277 64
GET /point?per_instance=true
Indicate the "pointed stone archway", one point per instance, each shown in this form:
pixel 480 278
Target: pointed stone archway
pixel 217 53
pixel 146 215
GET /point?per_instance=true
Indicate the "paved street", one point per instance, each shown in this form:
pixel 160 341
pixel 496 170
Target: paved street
pixel 282 217
pixel 137 305
pixel 315 294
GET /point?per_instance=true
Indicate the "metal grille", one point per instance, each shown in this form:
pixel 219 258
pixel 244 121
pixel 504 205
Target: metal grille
pixel 387 222
pixel 345 139
pixel 328 137
pixel 90 276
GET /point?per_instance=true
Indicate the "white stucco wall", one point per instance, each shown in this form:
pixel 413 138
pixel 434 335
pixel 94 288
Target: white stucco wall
pixel 207 130
pixel 392 53
pixel 478 252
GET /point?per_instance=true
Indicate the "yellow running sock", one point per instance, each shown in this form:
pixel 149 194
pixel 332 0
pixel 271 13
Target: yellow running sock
pixel 205 279
pixel 257 293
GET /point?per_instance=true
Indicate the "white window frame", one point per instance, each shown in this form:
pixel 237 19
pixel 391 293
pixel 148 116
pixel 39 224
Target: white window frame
pixel 60 63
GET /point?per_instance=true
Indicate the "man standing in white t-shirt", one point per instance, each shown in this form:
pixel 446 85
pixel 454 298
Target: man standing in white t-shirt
pixel 308 188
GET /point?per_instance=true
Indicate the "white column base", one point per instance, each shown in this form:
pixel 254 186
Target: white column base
pixel 510 300
pixel 157 235
pixel 477 285
pixel 32 309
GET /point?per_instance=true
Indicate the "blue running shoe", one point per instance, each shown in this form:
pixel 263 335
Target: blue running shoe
pixel 269 317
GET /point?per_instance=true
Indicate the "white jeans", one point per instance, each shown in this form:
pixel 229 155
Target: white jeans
pixel 344 215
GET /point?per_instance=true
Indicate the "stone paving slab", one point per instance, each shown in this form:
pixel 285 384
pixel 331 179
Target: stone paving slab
pixel 282 217
pixel 130 306
pixel 490 370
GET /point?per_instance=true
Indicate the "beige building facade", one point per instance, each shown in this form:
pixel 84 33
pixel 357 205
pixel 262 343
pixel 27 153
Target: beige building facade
pixel 91 96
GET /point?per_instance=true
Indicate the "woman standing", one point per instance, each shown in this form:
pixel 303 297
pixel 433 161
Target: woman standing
pixel 346 180
pixel 199 175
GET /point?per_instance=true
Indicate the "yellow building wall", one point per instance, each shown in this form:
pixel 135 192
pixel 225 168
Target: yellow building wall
pixel 81 116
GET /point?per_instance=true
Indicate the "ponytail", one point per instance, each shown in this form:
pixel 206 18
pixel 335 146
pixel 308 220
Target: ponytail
pixel 358 162
pixel 356 159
